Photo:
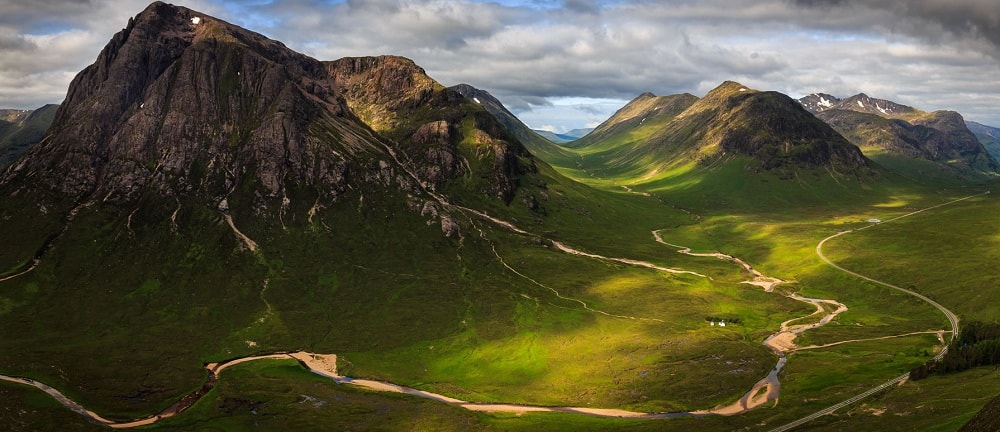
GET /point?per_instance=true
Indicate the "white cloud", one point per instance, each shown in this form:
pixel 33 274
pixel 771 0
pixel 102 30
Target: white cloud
pixel 533 55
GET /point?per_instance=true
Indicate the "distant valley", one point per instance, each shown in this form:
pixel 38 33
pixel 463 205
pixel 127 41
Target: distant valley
pixel 560 138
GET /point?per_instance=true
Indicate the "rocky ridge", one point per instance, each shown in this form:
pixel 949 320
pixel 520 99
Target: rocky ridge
pixel 880 126
pixel 989 136
pixel 820 102
pixel 181 104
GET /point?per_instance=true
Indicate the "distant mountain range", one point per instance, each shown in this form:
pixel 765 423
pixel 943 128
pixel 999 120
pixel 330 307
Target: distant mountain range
pixel 565 137
pixel 929 145
pixel 772 131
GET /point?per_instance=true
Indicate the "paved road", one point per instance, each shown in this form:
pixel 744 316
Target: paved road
pixel 947 313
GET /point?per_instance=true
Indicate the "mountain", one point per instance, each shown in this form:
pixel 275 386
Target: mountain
pixel 989 136
pixel 820 102
pixel 203 186
pixel 657 110
pixel 21 129
pixel 202 93
pixel 919 144
pixel 767 129
pixel 392 96
pixel 532 140
pixel 579 133
pixel 981 129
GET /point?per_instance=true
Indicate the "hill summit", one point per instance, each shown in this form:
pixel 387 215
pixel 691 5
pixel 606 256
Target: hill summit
pixel 767 129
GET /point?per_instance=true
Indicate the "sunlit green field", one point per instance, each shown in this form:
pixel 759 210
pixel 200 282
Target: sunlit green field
pixel 496 316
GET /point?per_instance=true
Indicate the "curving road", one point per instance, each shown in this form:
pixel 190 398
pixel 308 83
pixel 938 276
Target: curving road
pixel 897 380
pixel 947 313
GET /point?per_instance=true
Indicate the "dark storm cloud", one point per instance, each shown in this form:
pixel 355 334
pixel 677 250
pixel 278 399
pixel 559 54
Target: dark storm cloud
pixel 930 19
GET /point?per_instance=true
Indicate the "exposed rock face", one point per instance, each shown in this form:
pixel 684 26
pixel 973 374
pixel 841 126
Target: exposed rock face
pixel 438 138
pixel 180 103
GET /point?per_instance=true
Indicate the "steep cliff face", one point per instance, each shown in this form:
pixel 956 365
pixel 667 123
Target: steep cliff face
pixel 179 102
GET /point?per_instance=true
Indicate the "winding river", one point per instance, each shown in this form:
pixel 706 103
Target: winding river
pixel 325 364
pixel 766 390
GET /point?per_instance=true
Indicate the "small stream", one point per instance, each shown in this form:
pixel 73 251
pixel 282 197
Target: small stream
pixel 781 342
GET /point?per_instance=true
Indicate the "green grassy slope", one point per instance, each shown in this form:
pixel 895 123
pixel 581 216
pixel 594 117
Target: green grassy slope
pixel 17 137
pixel 992 144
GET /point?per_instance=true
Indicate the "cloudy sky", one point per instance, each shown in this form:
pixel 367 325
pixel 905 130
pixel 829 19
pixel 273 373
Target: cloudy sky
pixel 569 64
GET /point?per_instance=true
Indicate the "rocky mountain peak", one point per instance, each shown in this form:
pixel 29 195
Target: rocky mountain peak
pixel 378 88
pixel 893 130
pixel 819 102
pixel 179 102
pixel 438 128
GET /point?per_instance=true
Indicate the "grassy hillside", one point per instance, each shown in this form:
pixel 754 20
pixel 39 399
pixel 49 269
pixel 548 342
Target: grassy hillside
pixel 992 144
pixel 17 136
